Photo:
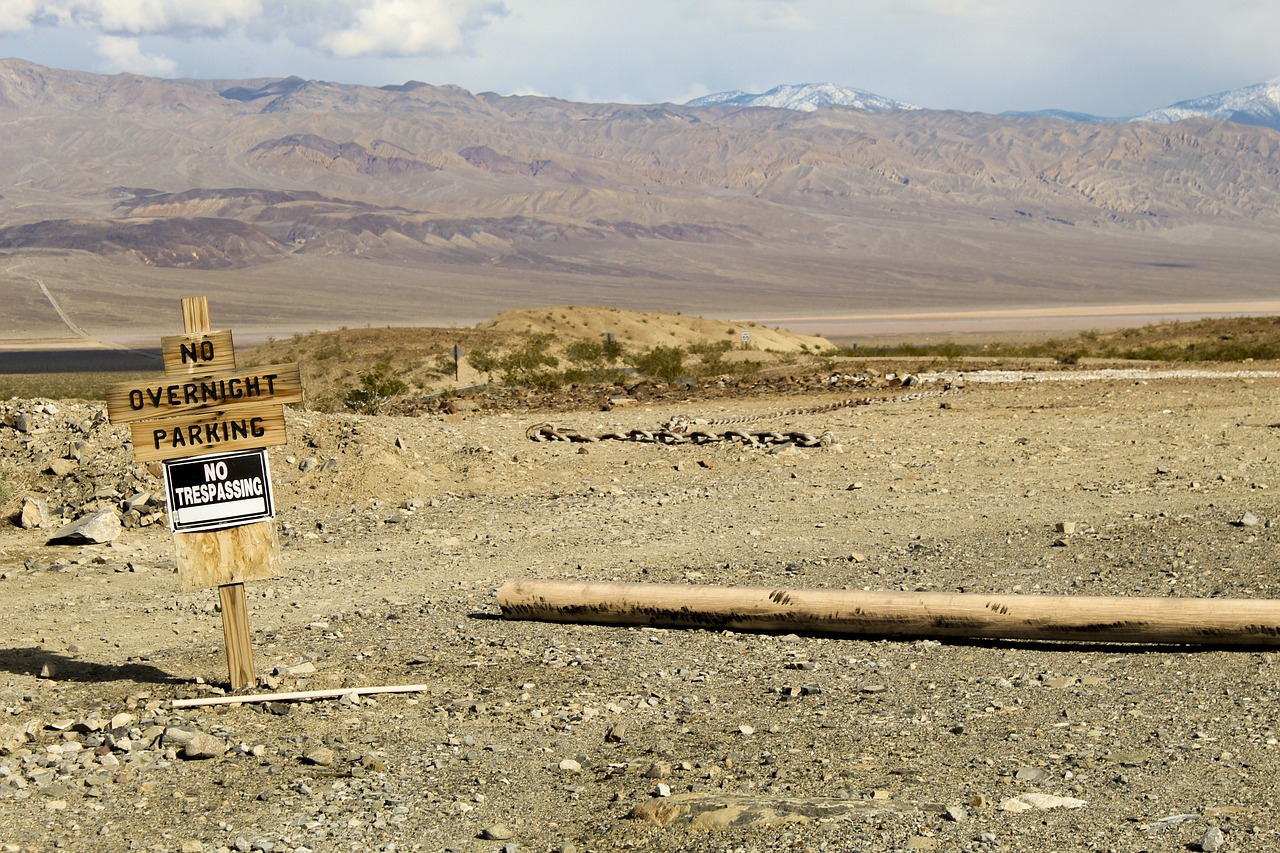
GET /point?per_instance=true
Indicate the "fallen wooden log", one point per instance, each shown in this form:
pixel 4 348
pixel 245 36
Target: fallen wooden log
pixel 1203 621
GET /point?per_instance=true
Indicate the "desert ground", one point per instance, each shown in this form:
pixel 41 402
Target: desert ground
pixel 532 736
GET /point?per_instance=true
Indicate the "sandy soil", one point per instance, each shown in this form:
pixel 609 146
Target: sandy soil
pixel 539 737
pixel 1002 322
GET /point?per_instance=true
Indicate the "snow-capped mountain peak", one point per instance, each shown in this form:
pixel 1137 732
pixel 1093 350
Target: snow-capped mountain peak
pixel 804 97
pixel 1258 104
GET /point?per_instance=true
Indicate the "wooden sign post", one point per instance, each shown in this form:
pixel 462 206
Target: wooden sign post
pixel 205 410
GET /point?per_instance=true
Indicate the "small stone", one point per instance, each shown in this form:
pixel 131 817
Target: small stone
pixel 662 790
pixel 1030 774
pixel 321 756
pixel 62 467
pixel 1212 840
pixel 202 746
pixel 35 513
pixel 957 813
pixel 497 832
pixel 570 766
pixel 659 770
pixel 747 730
pixel 1042 802
pixel 13 738
pixel 1067 527
pixel 617 733
pixel 1247 520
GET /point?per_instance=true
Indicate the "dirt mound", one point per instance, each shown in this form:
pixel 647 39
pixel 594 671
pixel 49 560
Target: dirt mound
pixel 646 329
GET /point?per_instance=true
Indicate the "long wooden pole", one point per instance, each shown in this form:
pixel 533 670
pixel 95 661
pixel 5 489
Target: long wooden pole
pixel 330 693
pixel 1205 621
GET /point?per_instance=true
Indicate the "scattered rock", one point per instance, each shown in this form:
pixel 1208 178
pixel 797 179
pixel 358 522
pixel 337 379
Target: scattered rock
pixel 496 832
pixel 93 529
pixel 35 513
pixel 1212 840
pixel 321 756
pixel 1030 774
pixel 204 746
pixel 1040 802
pixel 62 467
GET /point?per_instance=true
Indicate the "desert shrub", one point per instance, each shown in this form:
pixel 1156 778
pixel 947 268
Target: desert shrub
pixel 711 358
pixel 662 363
pixel 444 365
pixel 483 360
pixel 377 385
pixel 587 355
pixel 7 490
pixel 530 363
pixel 593 361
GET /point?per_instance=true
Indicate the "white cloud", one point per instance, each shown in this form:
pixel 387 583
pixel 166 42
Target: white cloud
pixel 168 16
pixel 134 17
pixel 16 15
pixel 125 54
pixel 343 28
pixel 409 27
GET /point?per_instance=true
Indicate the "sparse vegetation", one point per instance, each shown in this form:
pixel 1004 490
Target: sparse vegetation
pixel 378 385
pixel 665 364
pixel 1215 340
pixel 531 363
pixel 359 369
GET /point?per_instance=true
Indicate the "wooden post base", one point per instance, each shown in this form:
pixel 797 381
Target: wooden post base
pixel 235 630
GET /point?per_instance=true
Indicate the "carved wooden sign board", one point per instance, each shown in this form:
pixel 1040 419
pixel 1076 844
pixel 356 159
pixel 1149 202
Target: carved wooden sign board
pixel 210 424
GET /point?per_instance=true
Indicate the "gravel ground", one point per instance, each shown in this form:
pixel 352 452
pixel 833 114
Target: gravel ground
pixel 529 736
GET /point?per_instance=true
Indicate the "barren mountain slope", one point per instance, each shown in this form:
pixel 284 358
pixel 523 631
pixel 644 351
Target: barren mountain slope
pixel 737 209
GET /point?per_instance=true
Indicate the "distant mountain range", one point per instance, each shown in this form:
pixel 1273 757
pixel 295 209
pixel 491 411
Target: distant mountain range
pixel 1258 104
pixel 312 204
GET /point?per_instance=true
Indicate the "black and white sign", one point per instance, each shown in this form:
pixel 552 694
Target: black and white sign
pixel 223 490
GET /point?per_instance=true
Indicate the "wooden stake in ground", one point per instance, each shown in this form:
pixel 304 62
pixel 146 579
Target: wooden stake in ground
pixel 207 415
pixel 898 614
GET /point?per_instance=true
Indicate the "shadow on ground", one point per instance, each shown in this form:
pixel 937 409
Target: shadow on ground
pixel 34 661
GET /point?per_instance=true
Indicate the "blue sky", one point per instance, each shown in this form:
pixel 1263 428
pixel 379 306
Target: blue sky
pixel 1107 57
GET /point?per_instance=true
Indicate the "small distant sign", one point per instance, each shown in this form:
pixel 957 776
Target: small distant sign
pixel 218 491
pixel 746 337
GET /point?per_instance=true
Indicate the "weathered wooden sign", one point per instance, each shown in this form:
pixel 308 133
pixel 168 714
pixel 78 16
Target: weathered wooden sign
pixel 209 413
pixel 201 419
